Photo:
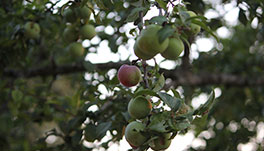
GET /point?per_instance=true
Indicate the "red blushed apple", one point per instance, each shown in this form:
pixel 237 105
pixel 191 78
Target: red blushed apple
pixel 129 75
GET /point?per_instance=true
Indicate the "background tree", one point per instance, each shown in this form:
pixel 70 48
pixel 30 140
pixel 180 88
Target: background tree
pixel 51 96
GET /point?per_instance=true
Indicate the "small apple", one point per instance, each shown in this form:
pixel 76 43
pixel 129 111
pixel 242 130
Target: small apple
pixel 76 49
pixel 129 75
pixel 88 31
pixel 139 107
pixel 133 134
pixel 32 30
pixel 69 15
pixel 161 143
pixel 70 34
pixel 174 49
pixel 195 29
pixel 83 12
pixel 140 54
pixel 148 41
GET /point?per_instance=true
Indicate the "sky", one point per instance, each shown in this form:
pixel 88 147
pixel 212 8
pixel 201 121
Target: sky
pixel 202 44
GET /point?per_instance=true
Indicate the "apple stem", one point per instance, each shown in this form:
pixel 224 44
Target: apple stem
pixel 145 78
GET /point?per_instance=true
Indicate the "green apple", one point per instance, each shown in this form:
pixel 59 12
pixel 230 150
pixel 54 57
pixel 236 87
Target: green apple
pixel 32 30
pixel 87 31
pixel 195 29
pixel 76 49
pixel 139 107
pixel 69 15
pixel 133 134
pixel 140 54
pixel 70 34
pixel 161 143
pixel 148 41
pixel 83 12
pixel 174 49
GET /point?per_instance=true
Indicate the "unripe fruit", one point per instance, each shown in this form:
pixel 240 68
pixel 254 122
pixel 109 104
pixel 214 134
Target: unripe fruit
pixel 69 15
pixel 140 54
pixel 139 107
pixel 161 143
pixel 174 49
pixel 148 41
pixel 133 134
pixel 70 34
pixel 129 75
pixel 83 12
pixel 76 49
pixel 32 30
pixel 87 31
pixel 195 29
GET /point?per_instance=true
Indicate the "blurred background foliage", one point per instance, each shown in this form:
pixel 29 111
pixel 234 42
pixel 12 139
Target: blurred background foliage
pixel 49 112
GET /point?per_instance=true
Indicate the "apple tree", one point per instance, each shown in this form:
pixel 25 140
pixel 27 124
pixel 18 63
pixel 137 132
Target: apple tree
pixel 55 97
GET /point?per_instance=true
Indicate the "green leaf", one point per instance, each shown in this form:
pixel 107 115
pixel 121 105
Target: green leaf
pixel 158 126
pixel 157 19
pixel 102 129
pixel 145 92
pixel 206 28
pixel 179 125
pixel 17 95
pixel 165 32
pixel 176 93
pixel 77 137
pixel 160 83
pixel 158 122
pixel 134 14
pixel 101 5
pixel 162 4
pixel 242 17
pixel 90 133
pixel 172 102
pixel 200 123
pixel 203 109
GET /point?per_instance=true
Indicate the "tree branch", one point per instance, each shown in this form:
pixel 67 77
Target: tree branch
pixel 178 76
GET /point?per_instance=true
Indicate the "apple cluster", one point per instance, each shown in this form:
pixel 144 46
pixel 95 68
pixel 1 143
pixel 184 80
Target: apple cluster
pixel 139 108
pixel 77 18
pixel 147 45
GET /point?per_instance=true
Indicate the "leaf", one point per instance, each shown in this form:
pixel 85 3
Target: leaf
pixel 162 4
pixel 102 129
pixel 134 14
pixel 158 127
pixel 145 92
pixel 101 5
pixel 200 123
pixel 176 93
pixel 203 109
pixel 204 19
pixel 90 133
pixel 172 102
pixel 17 95
pixel 160 83
pixel 206 28
pixel 165 32
pixel 242 17
pixel 132 31
pixel 158 122
pixel 157 19
pixel 77 137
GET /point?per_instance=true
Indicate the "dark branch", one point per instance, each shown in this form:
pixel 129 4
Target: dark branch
pixel 178 76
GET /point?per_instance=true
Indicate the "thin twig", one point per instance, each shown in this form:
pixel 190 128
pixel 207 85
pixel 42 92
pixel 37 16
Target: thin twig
pixel 145 78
